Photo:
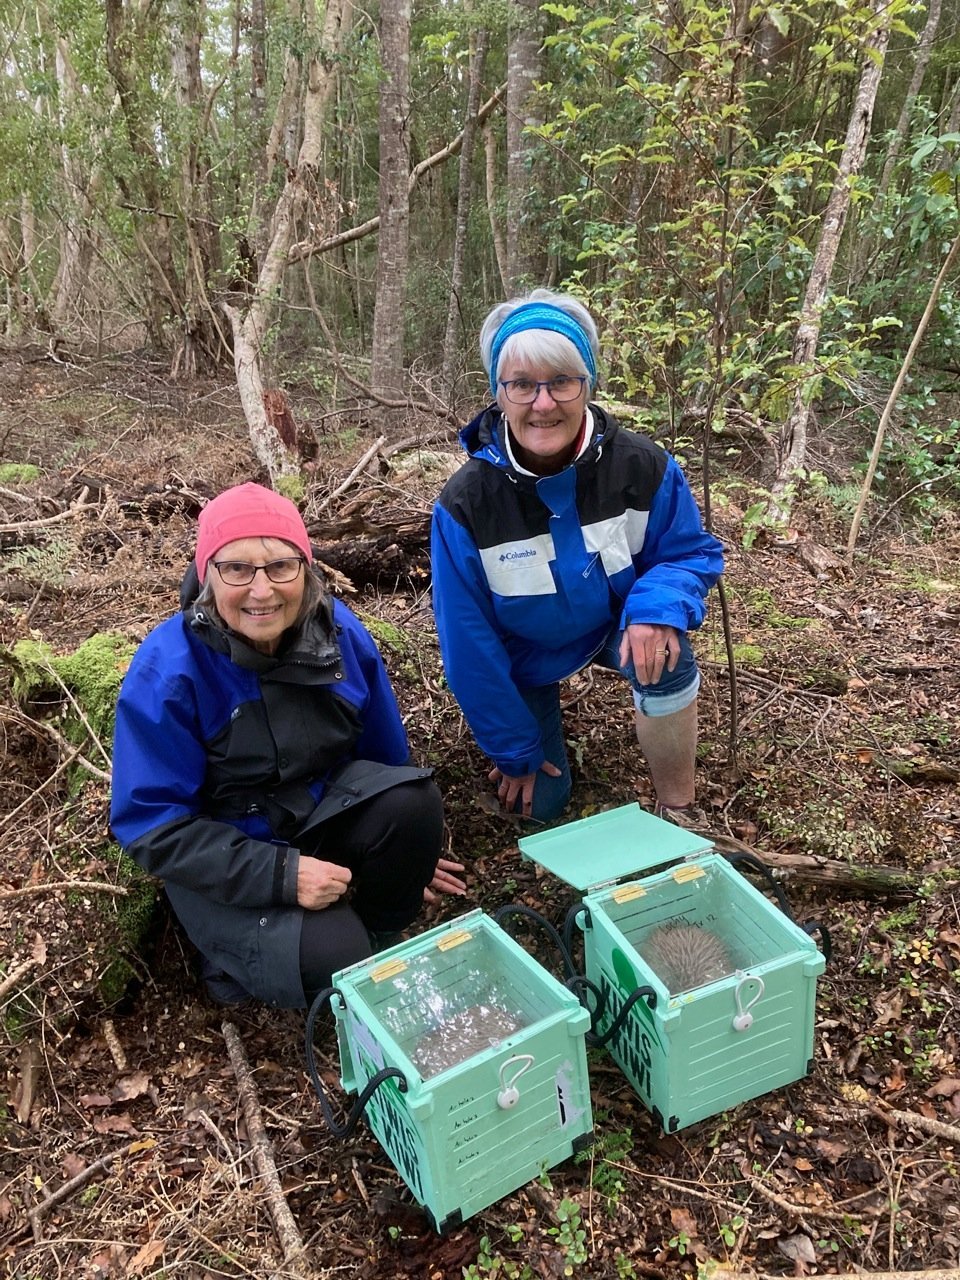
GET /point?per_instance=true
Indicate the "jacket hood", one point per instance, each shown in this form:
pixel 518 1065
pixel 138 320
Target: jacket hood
pixel 482 437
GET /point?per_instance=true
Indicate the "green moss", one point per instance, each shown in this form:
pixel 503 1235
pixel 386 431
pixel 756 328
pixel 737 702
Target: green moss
pixel 747 655
pixel 292 486
pixel 387 635
pixel 18 473
pixel 132 928
pixel 92 675
pixel 762 605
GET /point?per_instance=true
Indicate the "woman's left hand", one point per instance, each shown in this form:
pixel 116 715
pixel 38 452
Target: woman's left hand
pixel 444 881
pixel 651 649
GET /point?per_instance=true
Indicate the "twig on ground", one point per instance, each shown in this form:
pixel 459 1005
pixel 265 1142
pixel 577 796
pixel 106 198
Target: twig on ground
pixel 38 958
pixel 36 1214
pixel 114 1045
pixel 807 1210
pixel 284 1223
pixel 912 1120
pixel 52 886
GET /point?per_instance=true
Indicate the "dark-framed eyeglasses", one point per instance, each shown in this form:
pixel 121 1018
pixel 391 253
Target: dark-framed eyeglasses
pixel 239 573
pixel 561 389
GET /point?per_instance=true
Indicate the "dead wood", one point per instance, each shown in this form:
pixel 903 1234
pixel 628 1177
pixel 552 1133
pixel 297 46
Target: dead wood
pixel 36 1214
pixel 381 562
pixel 942 1273
pixel 913 1120
pixel 284 1223
pixel 52 886
pixel 813 869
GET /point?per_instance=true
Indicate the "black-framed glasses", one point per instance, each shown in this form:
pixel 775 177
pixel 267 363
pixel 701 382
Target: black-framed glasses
pixel 240 573
pixel 561 389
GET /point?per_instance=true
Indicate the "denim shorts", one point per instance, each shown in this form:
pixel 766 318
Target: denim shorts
pixel 675 690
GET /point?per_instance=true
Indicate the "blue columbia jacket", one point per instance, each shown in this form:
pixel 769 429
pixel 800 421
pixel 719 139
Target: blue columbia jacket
pixel 531 573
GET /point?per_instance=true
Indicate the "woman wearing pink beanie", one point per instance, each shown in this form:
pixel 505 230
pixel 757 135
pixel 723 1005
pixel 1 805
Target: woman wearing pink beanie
pixel 262 771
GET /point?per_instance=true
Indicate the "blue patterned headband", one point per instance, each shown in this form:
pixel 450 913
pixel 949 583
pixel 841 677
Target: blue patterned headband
pixel 541 315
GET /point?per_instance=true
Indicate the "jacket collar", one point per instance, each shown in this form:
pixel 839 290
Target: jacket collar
pixel 483 439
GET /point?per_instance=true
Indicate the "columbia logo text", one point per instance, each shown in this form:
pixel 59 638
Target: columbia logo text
pixel 517 555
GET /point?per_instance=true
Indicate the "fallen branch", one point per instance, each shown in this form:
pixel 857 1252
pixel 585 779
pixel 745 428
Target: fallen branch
pixel 36 1214
pixel 20 971
pixel 283 1220
pixel 806 1210
pixel 941 1273
pixel 52 886
pixel 912 1120
pixel 71 513
pixel 888 881
pixel 361 465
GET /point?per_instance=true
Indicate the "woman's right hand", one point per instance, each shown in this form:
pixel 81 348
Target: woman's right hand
pixel 320 884
pixel 508 789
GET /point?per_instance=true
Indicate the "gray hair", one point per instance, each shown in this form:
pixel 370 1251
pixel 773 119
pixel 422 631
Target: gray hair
pixel 540 346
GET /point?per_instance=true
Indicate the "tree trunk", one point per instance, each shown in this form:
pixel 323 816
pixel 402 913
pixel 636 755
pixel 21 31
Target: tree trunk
pixel 76 244
pixel 523 68
pixel 792 443
pixel 464 186
pixel 386 374
pixel 493 207
pixel 250 327
pixel 925 48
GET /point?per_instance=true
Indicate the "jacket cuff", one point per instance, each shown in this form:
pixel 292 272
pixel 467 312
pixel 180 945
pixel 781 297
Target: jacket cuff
pixel 285 880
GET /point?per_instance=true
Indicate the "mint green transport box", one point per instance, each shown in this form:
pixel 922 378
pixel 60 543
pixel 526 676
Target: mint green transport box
pixel 703 1048
pixel 492 1048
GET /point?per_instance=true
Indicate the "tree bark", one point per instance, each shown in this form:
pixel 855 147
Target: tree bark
pixel 493 206
pixel 451 342
pixel 386 375
pixel 523 68
pixel 792 443
pixel 250 326
pixel 925 47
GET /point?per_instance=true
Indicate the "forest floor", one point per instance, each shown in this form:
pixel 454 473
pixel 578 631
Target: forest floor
pixel 846 750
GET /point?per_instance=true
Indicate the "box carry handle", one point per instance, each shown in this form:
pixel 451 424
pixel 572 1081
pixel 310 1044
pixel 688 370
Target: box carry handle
pixel 373 1084
pixel 736 859
pixel 518 909
pixel 826 942
pixel 582 984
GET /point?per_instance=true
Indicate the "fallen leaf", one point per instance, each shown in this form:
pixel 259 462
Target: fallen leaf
pixel 39 949
pixel 684 1221
pixel 114 1124
pixel 897 1078
pixel 832 1151
pixel 89 1100
pixel 151 1252
pixel 29 1063
pixel 130 1087
pixel 799 1249
pixel 944 1088
pixel 802 1164
pixel 72 1164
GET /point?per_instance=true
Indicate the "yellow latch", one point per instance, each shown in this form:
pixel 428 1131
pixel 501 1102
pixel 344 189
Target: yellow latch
pixel 627 893
pixel 454 939
pixel 388 970
pixel 683 874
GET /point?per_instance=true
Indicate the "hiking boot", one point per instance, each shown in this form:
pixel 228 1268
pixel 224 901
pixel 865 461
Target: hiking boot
pixel 689 816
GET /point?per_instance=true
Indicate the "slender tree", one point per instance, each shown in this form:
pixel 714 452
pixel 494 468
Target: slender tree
pixel 393 257
pixel 792 442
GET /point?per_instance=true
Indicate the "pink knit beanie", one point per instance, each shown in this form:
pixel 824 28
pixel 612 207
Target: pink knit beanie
pixel 248 511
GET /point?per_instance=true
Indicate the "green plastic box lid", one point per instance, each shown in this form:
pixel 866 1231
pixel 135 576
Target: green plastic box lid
pixel 610 846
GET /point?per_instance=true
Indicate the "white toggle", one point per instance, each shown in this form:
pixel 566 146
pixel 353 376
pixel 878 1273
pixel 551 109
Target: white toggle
pixel 509 1094
pixel 743 1020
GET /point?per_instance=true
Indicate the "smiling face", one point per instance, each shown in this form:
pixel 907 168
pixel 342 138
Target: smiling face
pixel 544 432
pixel 262 610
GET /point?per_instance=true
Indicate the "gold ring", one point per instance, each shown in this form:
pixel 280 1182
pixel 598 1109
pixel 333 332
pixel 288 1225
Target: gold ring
pixel 662 653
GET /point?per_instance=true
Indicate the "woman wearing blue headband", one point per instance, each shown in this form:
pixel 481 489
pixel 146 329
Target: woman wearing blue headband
pixel 566 540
